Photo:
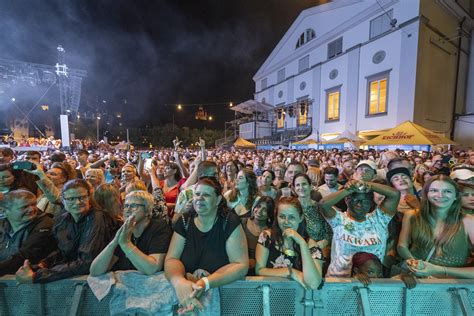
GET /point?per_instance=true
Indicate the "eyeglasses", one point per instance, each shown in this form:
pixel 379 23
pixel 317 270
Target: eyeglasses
pixel 133 206
pixel 76 198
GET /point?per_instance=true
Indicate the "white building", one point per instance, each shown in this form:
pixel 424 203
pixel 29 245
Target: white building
pixel 367 65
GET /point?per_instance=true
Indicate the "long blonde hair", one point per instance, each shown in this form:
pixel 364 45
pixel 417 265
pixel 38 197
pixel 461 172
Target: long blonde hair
pixel 421 229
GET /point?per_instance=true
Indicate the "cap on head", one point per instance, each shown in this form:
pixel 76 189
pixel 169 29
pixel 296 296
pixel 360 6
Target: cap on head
pixel 369 163
pixel 462 174
pixel 395 171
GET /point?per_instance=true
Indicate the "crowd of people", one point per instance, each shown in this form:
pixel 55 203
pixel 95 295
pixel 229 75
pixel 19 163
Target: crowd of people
pixel 301 215
pixel 51 143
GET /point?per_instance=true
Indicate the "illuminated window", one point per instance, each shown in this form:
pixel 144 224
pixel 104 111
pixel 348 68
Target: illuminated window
pixel 281 118
pixel 302 113
pixel 377 94
pixel 332 105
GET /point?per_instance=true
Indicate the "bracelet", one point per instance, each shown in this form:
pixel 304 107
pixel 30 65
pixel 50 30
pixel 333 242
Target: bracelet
pixel 206 283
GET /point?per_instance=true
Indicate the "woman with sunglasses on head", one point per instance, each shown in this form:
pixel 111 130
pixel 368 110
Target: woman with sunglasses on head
pixel 140 244
pixel 363 227
pixel 81 232
pixel 286 250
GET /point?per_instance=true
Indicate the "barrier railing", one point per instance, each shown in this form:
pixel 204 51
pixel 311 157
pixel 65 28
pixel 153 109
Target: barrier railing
pixel 262 296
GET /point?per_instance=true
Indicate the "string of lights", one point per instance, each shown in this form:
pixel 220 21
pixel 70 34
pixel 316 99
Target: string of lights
pixel 180 105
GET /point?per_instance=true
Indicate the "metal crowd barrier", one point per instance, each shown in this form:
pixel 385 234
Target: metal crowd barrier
pixel 262 296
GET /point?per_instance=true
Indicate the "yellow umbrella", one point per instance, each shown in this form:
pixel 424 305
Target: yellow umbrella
pixel 241 143
pixel 409 133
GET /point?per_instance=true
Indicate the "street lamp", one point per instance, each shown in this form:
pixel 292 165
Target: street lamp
pixel 179 107
pixel 210 118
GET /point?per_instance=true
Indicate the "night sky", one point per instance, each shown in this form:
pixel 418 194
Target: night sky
pixel 141 55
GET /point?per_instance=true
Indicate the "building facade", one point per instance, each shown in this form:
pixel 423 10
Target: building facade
pixel 369 65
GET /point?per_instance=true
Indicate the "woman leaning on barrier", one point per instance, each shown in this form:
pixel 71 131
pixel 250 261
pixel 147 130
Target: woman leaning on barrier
pixel 437 240
pixel 286 250
pixel 211 239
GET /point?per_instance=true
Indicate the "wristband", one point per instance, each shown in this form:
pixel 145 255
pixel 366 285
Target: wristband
pixel 206 283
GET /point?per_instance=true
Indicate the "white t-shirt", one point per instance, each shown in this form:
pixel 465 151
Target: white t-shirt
pixel 325 190
pixel 351 237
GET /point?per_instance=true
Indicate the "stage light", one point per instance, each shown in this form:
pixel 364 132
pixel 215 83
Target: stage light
pixel 210 118
pixel 13 99
pixel 98 117
pixel 180 106
pixel 104 101
pixel 231 104
pixel 78 116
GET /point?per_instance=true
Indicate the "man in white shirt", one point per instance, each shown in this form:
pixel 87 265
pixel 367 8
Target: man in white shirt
pixel 330 178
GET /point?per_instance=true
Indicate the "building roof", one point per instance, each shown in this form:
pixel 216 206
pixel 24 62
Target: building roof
pixel 289 35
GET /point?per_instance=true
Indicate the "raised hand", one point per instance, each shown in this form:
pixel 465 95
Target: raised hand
pixel 176 143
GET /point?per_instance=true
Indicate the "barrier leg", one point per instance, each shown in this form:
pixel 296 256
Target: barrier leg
pixel 464 301
pixel 266 299
pixel 406 302
pixel 3 301
pixel 364 300
pixel 76 299
pixel 312 302
pixel 42 299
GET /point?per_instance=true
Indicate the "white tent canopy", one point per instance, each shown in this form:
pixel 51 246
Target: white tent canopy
pixel 346 135
pixel 308 139
pixel 252 106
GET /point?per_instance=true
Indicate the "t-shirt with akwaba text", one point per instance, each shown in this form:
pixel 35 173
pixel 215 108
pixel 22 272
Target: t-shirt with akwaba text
pixel 350 237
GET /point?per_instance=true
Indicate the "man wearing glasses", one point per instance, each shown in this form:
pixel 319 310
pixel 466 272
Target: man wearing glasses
pixel 25 234
pixel 81 233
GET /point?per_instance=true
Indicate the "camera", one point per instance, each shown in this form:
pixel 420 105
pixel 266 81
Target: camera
pixel 23 165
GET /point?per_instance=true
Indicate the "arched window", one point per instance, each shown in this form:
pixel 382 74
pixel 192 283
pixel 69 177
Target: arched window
pixel 305 37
